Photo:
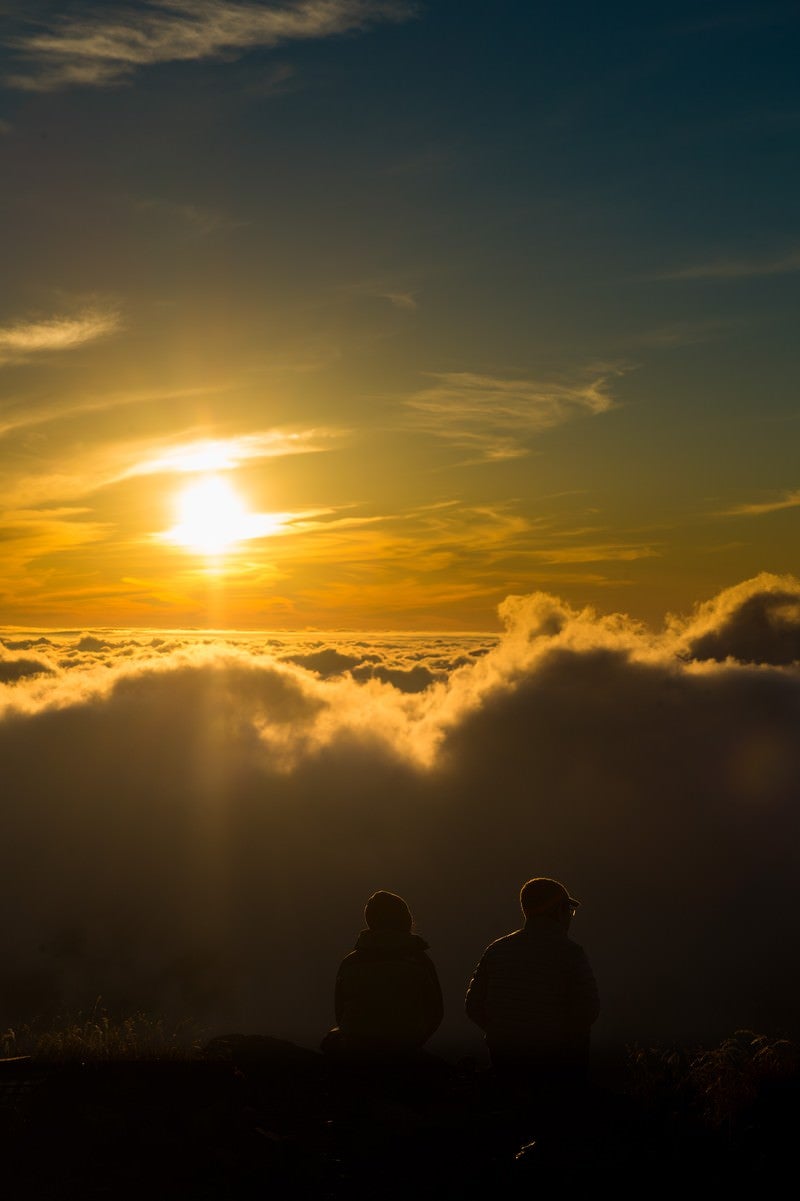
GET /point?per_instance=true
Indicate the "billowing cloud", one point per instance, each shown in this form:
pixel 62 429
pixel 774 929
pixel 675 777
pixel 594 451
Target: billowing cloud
pixel 20 667
pixel 494 417
pixel 196 824
pixel 107 44
pixel 22 339
pixel 754 622
pixel 328 661
pixel 405 679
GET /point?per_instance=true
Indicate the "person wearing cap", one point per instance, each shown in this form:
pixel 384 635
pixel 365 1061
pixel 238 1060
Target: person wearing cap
pixel 387 998
pixel 534 993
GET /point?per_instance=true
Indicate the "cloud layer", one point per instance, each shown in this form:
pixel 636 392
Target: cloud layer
pixel 196 821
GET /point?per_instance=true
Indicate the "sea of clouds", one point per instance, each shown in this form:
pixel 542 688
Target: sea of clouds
pixel 192 822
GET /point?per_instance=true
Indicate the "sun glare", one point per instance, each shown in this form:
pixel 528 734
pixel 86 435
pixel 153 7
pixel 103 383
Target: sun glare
pixel 211 517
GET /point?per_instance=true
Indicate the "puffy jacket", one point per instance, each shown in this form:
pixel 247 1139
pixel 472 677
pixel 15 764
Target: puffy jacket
pixel 534 994
pixel 387 994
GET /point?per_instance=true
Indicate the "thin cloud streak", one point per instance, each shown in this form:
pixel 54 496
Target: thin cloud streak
pixel 225 454
pixel 107 45
pixel 785 264
pixel 118 462
pixel 22 339
pixel 599 553
pixel 64 410
pixel 197 220
pixel 254 526
pixel 789 500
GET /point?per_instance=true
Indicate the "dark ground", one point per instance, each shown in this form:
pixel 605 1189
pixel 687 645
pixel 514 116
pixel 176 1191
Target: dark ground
pixel 257 1117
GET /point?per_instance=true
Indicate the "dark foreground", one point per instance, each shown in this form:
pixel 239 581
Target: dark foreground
pixel 257 1117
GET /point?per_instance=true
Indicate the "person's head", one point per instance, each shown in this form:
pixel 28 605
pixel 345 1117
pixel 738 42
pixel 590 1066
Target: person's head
pixel 543 897
pixel 387 911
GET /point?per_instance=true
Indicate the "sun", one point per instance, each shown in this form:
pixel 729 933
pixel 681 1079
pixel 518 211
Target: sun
pixel 211 517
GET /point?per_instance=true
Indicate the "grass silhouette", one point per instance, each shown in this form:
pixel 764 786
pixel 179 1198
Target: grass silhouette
pixel 129 1106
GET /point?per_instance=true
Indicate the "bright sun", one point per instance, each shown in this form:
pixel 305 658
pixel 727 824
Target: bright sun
pixel 211 517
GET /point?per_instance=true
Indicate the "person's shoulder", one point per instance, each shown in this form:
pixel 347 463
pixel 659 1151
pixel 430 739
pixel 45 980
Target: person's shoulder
pixel 504 943
pixel 350 960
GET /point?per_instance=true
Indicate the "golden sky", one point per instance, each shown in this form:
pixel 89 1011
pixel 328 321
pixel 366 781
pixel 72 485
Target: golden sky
pixel 367 316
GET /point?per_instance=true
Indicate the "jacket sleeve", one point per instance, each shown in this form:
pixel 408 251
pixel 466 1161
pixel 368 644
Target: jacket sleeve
pixel 475 1001
pixel 585 1000
pixel 434 1005
pixel 338 994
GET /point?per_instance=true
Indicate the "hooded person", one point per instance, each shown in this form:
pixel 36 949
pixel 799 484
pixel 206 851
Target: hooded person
pixel 387 998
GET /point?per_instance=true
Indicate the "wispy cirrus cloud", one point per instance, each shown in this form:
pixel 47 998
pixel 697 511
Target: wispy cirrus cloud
pixel 595 552
pixel 399 293
pixel 22 339
pixel 130 459
pixel 677 334
pixel 225 454
pixel 106 44
pixel 738 268
pixel 22 415
pixel 789 500
pixel 401 300
pixel 196 220
pixel 494 416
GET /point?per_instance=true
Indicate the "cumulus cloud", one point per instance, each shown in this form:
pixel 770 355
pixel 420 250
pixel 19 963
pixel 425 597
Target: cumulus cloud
pixel 197 822
pixel 22 339
pixel 106 44
pixel 495 416
pixel 325 662
pixel 18 667
pixel 405 679
pixel 755 622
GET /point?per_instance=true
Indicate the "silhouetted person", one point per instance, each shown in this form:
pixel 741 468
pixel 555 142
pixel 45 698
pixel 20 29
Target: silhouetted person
pixel 534 995
pixel 387 999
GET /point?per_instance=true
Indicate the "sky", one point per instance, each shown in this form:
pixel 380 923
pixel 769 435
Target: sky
pixel 366 314
pixel 398 489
